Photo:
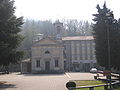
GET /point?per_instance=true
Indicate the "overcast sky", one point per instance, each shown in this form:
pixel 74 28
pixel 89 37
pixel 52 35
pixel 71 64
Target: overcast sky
pixel 59 9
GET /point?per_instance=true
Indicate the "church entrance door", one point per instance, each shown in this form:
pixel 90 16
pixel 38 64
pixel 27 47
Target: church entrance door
pixel 47 65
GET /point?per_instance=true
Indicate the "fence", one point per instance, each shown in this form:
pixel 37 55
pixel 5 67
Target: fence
pixel 114 83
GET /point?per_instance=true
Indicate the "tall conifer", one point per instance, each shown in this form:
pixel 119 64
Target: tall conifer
pixel 10 26
pixel 107 38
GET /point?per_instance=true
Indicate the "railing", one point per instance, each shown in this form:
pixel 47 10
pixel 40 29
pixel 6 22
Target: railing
pixel 92 87
pixel 114 84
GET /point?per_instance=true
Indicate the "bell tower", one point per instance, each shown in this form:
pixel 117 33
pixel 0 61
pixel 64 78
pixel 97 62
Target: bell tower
pixel 58 29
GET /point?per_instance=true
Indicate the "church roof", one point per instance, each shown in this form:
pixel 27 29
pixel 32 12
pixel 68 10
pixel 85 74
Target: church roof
pixel 77 38
pixel 47 41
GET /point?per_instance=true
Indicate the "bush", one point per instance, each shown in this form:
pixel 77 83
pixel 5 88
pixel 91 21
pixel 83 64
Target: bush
pixel 70 84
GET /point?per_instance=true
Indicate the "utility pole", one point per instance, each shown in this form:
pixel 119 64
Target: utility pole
pixel 109 56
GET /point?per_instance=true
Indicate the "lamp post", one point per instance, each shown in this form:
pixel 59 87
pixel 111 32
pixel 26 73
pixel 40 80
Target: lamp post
pixel 108 44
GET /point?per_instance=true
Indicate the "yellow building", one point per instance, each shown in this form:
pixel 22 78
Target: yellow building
pixel 47 56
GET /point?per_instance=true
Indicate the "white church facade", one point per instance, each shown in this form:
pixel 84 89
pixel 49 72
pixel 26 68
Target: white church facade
pixel 47 56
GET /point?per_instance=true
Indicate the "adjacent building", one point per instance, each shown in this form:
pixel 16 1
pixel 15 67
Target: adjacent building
pixel 79 53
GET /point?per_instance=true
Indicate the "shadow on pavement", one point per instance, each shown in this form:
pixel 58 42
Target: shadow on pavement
pixel 4 85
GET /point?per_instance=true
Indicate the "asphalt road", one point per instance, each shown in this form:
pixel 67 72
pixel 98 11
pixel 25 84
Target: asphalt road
pixel 17 81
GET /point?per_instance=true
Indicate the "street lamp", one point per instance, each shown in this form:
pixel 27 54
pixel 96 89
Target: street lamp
pixel 108 43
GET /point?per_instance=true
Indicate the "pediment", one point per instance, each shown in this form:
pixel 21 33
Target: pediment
pixel 46 41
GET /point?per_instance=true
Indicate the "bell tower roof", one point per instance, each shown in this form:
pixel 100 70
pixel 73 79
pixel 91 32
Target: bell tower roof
pixel 58 29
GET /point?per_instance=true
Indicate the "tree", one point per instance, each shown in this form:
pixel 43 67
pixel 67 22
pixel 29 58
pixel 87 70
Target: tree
pixel 106 33
pixel 73 27
pixel 10 26
pixel 117 44
pixel 31 28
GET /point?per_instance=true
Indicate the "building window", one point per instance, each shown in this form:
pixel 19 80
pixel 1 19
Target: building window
pixel 56 63
pixel 37 63
pixel 75 50
pixel 58 29
pixel 76 67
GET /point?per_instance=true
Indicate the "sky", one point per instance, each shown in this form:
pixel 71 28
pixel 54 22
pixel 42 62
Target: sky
pixel 63 9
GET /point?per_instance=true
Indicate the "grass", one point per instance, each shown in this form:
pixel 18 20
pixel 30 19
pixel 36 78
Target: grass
pixel 90 83
pixel 117 89
pixel 97 88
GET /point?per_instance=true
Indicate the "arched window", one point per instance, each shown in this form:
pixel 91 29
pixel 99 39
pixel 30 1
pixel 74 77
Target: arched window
pixel 47 52
pixel 58 29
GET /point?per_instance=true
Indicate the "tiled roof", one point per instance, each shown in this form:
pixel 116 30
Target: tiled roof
pixel 78 38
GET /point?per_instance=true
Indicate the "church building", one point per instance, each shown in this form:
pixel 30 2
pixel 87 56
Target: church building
pixel 47 53
pixel 47 56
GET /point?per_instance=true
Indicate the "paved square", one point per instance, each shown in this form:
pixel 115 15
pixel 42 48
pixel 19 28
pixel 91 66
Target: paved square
pixel 17 81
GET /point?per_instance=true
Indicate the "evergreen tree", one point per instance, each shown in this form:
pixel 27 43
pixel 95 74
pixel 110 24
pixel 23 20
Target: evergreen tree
pixel 107 38
pixel 10 26
pixel 115 62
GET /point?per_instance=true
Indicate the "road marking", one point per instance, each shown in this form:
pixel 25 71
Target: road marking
pixel 67 75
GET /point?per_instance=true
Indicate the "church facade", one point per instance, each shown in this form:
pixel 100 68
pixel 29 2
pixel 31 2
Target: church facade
pixel 47 56
pixel 56 54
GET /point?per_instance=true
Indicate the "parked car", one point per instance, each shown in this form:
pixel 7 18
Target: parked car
pixel 93 70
